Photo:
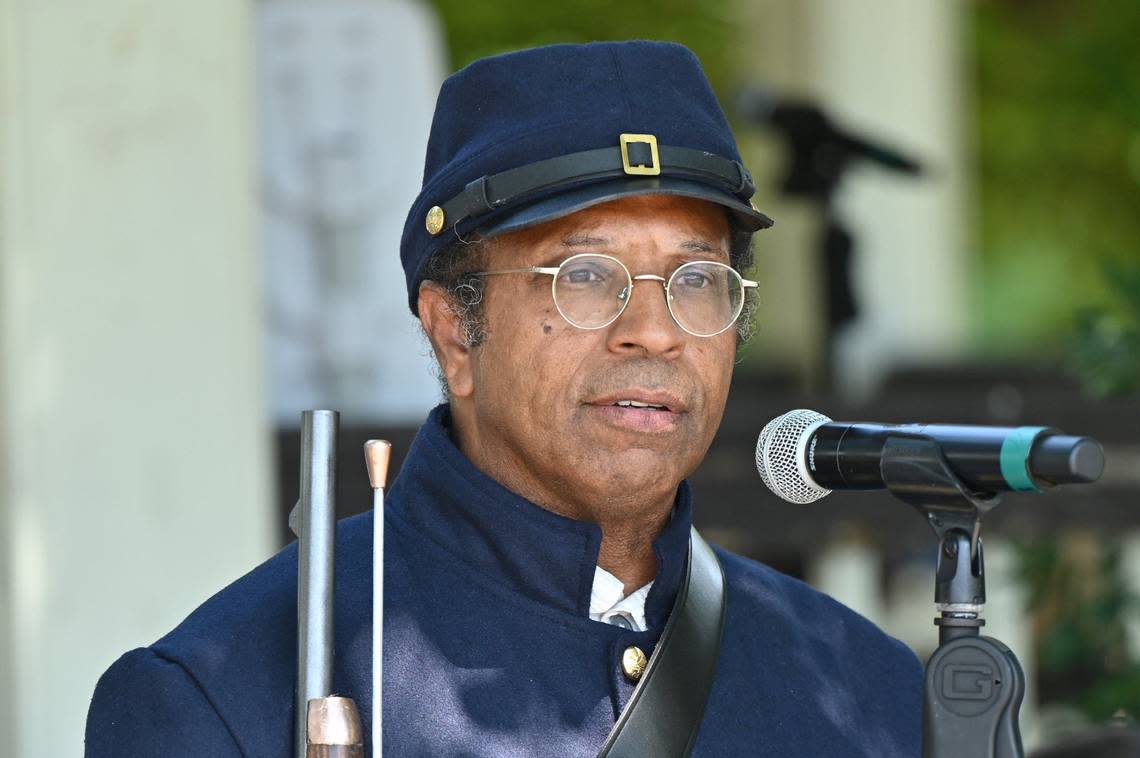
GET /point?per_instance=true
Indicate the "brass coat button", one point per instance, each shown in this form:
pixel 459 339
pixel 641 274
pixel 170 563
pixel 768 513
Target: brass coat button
pixel 434 220
pixel 633 662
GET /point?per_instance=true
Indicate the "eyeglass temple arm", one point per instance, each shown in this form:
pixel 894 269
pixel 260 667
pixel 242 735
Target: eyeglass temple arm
pixel 528 270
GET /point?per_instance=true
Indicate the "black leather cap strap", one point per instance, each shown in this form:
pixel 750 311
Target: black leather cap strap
pixel 489 193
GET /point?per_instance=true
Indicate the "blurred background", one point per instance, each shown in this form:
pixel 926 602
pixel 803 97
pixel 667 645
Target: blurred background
pixel 200 209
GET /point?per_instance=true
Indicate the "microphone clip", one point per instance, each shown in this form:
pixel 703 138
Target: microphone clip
pixel 916 471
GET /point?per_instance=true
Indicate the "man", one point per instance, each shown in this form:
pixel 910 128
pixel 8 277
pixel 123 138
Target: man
pixel 574 258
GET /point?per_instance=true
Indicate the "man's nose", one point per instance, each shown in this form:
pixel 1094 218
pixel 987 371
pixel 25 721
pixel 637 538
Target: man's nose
pixel 646 326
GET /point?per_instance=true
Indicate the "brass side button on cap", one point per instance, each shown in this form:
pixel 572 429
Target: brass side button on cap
pixel 633 662
pixel 434 220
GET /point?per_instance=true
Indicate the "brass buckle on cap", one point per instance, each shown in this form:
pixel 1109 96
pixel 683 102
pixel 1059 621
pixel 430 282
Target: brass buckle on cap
pixel 640 169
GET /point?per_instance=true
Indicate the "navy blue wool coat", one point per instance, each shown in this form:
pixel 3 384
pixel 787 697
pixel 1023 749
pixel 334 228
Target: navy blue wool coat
pixel 489 650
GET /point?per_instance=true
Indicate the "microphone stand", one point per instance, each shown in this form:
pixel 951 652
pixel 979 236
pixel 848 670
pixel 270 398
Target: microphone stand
pixel 973 684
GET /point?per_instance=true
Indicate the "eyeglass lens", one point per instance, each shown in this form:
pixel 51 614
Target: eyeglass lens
pixel 704 297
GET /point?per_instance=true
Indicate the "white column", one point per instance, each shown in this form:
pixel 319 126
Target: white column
pixel 893 70
pixel 134 465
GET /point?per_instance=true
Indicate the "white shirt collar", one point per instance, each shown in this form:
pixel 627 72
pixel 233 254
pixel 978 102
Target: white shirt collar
pixel 610 604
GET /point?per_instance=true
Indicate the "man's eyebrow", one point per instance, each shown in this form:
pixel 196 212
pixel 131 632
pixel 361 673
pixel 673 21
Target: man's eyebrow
pixel 699 246
pixel 583 240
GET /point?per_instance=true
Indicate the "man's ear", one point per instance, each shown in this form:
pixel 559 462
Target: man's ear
pixel 444 329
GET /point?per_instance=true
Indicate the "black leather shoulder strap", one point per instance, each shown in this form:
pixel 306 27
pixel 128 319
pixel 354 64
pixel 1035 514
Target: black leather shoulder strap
pixel 665 710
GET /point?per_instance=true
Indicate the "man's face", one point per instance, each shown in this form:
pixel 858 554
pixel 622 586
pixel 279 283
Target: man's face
pixel 542 414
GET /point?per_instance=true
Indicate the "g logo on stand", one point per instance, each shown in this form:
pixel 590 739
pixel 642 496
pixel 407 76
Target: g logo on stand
pixel 968 681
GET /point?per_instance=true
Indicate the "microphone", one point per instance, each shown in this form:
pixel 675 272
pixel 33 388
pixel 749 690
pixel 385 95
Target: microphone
pixel 803 455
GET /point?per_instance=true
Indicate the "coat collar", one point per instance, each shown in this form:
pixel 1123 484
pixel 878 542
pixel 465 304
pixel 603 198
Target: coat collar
pixel 550 558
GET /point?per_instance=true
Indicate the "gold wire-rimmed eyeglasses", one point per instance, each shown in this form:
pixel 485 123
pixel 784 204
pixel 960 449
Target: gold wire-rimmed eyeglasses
pixel 591 291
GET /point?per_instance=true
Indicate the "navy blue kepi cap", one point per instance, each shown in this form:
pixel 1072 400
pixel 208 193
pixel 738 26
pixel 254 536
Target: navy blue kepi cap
pixel 530 136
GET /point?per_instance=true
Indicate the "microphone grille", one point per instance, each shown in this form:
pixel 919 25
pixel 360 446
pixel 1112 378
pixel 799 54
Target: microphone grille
pixel 779 456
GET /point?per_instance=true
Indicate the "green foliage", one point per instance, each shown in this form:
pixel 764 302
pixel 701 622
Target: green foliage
pixel 478 29
pixel 1079 601
pixel 1058 140
pixel 1107 348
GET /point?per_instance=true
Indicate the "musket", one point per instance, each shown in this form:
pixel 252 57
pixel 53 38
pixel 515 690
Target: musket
pixel 326 726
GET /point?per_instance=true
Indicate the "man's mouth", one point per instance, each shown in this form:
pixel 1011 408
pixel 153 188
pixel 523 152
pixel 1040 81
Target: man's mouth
pixel 640 410
pixel 642 398
pixel 639 404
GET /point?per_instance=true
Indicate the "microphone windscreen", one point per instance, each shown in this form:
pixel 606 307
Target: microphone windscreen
pixel 780 453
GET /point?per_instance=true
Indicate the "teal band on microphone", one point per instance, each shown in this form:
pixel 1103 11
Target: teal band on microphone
pixel 1014 458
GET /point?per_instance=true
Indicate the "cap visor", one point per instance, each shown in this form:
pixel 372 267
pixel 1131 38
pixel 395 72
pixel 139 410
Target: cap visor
pixel 590 195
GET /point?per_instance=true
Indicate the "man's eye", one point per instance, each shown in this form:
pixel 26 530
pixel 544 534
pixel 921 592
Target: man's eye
pixel 695 280
pixel 582 276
